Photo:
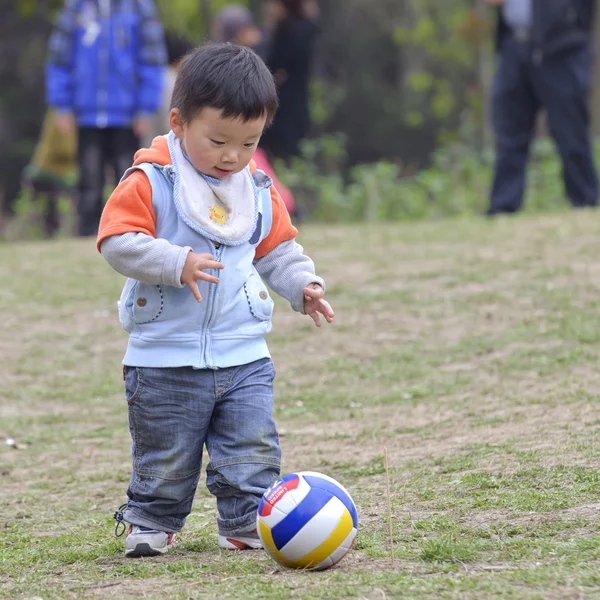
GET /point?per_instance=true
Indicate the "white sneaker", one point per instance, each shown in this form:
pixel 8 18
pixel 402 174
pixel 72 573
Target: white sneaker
pixel 142 541
pixel 246 541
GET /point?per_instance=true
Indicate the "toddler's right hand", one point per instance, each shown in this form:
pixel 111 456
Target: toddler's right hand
pixel 193 271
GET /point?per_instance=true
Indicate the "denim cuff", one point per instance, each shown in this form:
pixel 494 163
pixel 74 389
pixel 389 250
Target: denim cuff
pixel 237 526
pixel 137 517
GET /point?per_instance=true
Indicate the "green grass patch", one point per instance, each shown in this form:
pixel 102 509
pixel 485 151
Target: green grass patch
pixel 467 349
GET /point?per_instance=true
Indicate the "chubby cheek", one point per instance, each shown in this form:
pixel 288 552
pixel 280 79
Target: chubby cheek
pixel 249 153
pixel 246 155
pixel 203 157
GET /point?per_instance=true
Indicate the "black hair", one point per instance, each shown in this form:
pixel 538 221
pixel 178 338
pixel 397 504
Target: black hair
pixel 227 77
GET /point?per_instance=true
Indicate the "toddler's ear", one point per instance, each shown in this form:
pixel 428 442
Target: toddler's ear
pixel 176 122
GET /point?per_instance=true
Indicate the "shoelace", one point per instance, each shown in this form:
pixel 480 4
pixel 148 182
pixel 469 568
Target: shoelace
pixel 120 527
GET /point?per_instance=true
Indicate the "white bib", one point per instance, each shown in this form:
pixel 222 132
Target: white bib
pixel 225 208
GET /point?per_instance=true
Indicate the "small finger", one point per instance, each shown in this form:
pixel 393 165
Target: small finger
pixel 315 317
pixel 313 293
pixel 195 291
pixel 203 265
pixel 328 316
pixel 326 310
pixel 201 275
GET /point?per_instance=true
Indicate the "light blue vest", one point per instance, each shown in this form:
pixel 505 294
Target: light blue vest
pixel 167 326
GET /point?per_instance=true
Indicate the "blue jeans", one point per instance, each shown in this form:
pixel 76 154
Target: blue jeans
pixel 172 414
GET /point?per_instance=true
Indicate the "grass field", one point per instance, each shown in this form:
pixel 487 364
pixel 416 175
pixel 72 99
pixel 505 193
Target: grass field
pixel 468 348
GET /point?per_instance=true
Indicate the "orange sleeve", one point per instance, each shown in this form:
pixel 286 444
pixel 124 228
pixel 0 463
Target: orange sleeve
pixel 282 229
pixel 128 209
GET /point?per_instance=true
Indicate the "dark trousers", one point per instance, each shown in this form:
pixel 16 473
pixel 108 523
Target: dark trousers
pixel 560 85
pixel 114 146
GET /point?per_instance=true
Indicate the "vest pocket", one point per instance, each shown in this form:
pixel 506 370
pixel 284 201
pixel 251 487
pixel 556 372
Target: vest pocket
pixel 124 305
pixel 259 301
pixel 144 303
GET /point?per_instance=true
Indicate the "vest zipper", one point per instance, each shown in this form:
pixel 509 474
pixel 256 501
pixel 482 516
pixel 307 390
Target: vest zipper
pixel 219 250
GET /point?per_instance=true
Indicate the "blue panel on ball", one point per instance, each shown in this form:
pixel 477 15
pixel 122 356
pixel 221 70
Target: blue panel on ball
pixel 310 505
pixel 334 490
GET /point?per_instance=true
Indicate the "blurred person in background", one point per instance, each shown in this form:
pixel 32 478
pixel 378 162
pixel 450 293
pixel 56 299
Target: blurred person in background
pixel 292 39
pixel 104 78
pixel 545 60
pixel 235 24
pixel 177 48
pixel 52 171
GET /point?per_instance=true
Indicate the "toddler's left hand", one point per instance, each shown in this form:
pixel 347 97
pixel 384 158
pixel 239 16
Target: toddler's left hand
pixel 314 304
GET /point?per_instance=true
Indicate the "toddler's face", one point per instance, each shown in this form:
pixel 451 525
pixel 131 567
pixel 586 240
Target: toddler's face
pixel 216 146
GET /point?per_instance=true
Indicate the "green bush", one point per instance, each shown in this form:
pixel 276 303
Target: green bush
pixel 28 219
pixel 457 182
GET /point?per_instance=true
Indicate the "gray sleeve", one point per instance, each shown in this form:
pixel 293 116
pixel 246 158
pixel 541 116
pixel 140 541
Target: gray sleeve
pixel 287 271
pixel 147 259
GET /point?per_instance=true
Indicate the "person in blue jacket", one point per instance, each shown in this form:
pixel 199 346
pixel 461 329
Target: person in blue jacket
pixel 104 78
pixel 545 60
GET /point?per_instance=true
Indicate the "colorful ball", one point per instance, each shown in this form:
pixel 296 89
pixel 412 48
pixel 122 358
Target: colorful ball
pixel 307 521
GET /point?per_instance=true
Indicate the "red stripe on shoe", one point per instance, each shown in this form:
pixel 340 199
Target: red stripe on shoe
pixel 237 543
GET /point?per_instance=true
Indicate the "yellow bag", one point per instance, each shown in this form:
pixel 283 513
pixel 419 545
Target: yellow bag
pixel 55 156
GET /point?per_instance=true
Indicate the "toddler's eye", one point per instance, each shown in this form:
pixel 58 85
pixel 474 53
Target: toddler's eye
pixel 250 145
pixel 217 143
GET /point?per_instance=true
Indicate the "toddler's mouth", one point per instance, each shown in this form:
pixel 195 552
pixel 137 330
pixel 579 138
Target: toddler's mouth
pixel 223 172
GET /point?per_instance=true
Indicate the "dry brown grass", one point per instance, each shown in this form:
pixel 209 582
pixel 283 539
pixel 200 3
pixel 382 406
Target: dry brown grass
pixel 468 348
